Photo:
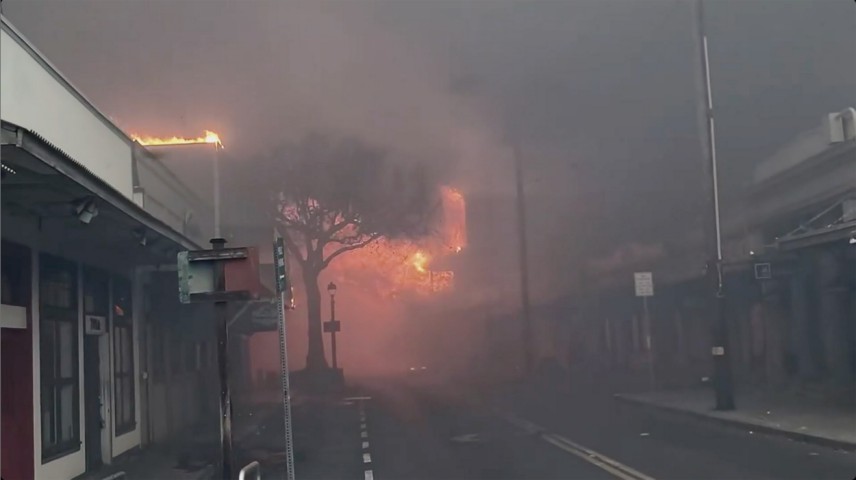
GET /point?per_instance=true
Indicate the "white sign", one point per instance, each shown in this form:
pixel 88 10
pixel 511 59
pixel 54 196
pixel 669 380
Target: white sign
pixel 644 284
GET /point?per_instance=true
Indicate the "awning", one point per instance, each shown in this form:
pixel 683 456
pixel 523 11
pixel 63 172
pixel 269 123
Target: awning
pixel 832 224
pixel 40 181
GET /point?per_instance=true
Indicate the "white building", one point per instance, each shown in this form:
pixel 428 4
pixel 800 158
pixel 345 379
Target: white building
pixel 97 358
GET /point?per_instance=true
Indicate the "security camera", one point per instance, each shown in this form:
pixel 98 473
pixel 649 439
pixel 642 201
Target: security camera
pixel 86 209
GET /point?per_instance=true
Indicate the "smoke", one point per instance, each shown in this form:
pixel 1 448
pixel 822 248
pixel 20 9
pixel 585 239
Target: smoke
pixel 598 97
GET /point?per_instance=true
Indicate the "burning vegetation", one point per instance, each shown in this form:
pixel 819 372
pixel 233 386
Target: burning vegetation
pixel 394 267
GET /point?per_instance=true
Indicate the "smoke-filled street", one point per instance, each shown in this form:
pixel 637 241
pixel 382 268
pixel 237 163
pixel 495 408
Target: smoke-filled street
pixel 419 239
pixel 422 430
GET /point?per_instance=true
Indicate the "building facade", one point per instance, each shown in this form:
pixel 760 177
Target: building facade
pixel 98 358
pixel 789 260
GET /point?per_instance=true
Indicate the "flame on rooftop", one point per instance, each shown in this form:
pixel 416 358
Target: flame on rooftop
pixel 208 137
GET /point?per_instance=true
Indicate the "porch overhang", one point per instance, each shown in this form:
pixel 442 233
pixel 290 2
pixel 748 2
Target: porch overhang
pixel 40 180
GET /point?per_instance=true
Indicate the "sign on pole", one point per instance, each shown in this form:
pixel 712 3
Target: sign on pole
pixel 332 326
pixel 763 271
pixel 644 282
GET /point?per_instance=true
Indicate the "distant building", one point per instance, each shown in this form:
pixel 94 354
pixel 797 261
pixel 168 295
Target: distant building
pixel 789 251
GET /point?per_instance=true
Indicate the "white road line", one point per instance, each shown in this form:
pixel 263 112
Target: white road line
pixel 364 434
pixel 369 475
pixel 367 458
pixel 363 426
pixel 365 445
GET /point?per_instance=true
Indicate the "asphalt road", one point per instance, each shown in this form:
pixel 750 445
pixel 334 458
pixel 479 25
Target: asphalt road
pixel 419 430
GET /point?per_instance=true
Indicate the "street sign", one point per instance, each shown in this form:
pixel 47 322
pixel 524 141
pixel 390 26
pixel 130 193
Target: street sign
pixel 644 282
pixel 279 265
pixel 197 272
pixel 763 271
pixel 332 326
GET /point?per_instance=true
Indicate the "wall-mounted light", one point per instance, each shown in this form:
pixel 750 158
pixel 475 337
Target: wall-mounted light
pixel 7 170
pixel 85 209
pixel 141 236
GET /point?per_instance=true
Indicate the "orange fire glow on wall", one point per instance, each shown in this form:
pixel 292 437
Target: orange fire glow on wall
pixel 208 137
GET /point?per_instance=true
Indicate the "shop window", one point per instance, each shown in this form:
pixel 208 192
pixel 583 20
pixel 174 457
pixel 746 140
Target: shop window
pixel 14 274
pixel 158 341
pixel 190 356
pixel 123 358
pixel 58 353
pixel 175 358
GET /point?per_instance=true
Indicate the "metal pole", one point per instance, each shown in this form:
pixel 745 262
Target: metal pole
pixel 333 331
pixel 648 344
pixel 216 190
pixel 524 263
pixel 221 314
pixel 719 350
pixel 282 287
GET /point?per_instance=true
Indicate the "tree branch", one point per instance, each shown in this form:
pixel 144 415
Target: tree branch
pixel 293 247
pixel 348 248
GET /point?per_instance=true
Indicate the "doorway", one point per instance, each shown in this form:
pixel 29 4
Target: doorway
pixel 96 305
pixel 93 401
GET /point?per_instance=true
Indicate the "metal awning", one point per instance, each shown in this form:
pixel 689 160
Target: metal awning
pixel 822 228
pixel 43 182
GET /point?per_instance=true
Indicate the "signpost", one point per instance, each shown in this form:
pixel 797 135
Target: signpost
pixel 763 271
pixel 283 290
pixel 644 284
pixel 204 276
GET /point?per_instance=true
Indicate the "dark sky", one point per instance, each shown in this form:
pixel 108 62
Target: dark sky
pixel 598 95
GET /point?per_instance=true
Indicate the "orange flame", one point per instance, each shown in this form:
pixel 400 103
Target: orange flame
pixel 209 137
pixel 420 261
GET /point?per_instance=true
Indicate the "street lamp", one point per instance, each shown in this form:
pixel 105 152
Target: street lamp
pixel 721 363
pixel 332 326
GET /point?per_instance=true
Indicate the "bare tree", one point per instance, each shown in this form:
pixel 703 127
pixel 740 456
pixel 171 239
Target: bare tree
pixel 338 195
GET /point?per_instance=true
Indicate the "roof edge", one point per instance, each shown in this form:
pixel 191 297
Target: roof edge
pixel 54 72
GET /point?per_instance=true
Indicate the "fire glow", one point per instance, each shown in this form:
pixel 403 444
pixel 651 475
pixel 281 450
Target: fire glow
pixel 208 137
pixel 393 267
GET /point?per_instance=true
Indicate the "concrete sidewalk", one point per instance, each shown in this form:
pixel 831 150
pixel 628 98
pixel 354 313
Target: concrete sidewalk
pixel 779 414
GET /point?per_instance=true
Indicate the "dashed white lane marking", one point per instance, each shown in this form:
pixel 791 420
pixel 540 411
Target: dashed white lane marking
pixel 364 434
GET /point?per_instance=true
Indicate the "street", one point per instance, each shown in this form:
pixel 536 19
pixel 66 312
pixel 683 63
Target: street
pixel 401 429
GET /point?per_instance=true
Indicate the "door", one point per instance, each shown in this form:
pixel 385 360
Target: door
pixel 93 401
pixel 95 307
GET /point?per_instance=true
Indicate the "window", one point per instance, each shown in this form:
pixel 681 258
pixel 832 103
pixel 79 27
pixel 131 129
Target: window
pixel 158 352
pixel 123 358
pixel 15 273
pixel 190 356
pixel 175 358
pixel 58 353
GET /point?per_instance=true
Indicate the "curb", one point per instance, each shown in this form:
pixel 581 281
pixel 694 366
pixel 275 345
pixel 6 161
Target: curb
pixel 735 423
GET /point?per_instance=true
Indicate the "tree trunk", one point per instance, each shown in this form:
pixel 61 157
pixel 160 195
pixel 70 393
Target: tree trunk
pixel 315 359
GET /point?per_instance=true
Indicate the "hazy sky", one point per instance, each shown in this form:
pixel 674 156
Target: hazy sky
pixel 599 95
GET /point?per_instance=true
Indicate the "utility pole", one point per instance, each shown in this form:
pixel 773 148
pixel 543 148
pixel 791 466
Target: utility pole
pixel 221 315
pixel 713 231
pixel 524 263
